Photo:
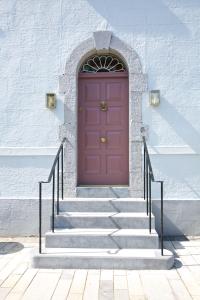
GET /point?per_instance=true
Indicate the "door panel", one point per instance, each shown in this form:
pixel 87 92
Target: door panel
pixel 92 116
pixel 103 135
pixel 92 164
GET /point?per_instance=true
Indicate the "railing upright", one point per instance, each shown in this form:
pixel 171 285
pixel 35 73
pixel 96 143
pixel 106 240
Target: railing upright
pixel 144 173
pixel 150 203
pixel 55 170
pixel 147 186
pixel 58 185
pixel 161 215
pixel 53 203
pixel 148 179
pixel 40 217
pixel 62 166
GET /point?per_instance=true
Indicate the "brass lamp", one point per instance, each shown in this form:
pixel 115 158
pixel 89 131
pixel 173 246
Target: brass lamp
pixel 51 100
pixel 154 97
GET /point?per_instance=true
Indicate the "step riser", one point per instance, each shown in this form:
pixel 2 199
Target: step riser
pixel 142 242
pixel 103 222
pixel 102 263
pixel 102 206
pixel 103 192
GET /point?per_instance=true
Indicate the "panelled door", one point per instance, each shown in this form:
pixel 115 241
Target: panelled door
pixel 103 129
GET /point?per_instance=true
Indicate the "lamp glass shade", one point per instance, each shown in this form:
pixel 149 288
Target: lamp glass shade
pixel 51 100
pixel 154 98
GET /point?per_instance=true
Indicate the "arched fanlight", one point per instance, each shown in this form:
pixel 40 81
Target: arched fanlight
pixel 102 63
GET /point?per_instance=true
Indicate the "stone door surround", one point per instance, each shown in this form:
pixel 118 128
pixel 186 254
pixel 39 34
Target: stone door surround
pixel 103 42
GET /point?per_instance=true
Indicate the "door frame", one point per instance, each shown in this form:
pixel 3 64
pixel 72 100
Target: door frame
pixel 102 42
pixel 103 75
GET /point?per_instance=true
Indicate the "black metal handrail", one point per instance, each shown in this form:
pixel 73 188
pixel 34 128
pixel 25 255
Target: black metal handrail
pixel 55 172
pixel 148 179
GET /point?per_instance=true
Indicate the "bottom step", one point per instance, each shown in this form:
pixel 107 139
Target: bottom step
pixel 130 259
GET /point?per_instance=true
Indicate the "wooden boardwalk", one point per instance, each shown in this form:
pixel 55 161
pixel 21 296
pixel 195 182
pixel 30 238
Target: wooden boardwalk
pixel 19 281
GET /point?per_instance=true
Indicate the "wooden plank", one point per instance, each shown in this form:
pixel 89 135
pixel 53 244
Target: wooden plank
pixel 78 283
pixel 63 286
pixel 196 258
pixel 11 281
pixel 106 275
pixel 42 286
pixel 4 292
pixel 179 290
pixel 134 284
pixel 21 286
pixel 75 296
pixel 156 287
pixel 121 294
pixel 15 276
pixel 106 285
pixel 12 264
pixel 188 260
pixel 92 286
pixel 195 270
pixel 140 297
pixel 120 272
pixel 189 281
pixel 171 274
pixel 120 282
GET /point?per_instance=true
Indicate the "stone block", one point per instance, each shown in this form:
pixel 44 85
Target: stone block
pixel 102 40
pixel 62 83
pixel 138 82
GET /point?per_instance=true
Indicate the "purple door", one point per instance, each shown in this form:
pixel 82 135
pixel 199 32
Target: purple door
pixel 103 129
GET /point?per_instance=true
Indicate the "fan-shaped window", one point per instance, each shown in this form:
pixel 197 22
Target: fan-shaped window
pixel 103 63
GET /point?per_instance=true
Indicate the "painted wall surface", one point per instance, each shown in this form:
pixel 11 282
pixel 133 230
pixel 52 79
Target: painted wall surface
pixel 19 217
pixel 37 37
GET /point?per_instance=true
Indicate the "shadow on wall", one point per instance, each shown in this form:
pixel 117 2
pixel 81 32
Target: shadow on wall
pixel 2 34
pixel 140 16
pixel 180 125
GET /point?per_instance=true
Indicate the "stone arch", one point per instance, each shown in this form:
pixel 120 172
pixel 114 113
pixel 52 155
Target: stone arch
pixel 103 42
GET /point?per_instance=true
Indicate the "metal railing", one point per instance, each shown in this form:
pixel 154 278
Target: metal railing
pixel 148 179
pixel 54 176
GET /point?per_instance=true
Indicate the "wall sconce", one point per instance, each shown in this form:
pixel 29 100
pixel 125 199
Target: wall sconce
pixel 51 100
pixel 154 97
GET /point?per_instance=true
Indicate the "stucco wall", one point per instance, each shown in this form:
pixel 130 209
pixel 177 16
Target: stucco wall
pixel 19 217
pixel 37 37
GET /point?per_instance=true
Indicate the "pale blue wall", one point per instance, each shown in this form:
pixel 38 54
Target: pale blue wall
pixel 36 37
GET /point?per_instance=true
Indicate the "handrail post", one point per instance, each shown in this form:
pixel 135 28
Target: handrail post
pixel 147 186
pixel 161 215
pixel 51 177
pixel 58 185
pixel 40 217
pixel 62 179
pixel 148 179
pixel 144 173
pixel 53 202
pixel 150 202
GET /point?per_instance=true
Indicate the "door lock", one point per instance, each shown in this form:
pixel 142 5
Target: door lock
pixel 103 140
pixel 103 106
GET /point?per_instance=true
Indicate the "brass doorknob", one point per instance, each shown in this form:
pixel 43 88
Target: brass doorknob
pixel 103 106
pixel 103 140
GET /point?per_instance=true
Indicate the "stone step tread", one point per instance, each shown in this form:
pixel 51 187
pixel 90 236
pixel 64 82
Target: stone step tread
pixel 103 200
pixel 102 232
pixel 105 214
pixel 105 258
pixel 98 252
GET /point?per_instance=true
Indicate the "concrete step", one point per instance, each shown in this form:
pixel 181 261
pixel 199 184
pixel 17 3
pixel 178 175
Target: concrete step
pixel 102 238
pixel 103 191
pixel 103 220
pixel 103 205
pixel 131 259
